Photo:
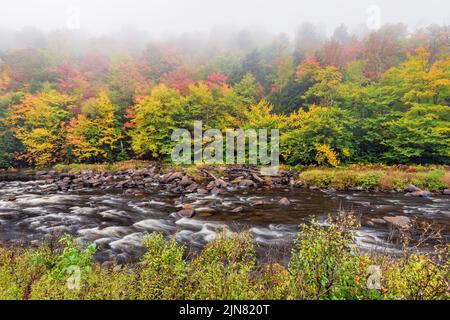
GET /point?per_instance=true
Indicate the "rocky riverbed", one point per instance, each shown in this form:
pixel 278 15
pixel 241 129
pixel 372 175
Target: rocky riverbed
pixel 117 209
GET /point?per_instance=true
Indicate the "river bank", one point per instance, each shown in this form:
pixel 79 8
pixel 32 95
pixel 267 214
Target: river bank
pixel 133 176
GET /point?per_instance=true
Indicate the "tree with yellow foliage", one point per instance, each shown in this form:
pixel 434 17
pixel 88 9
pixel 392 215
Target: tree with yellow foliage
pixel 39 124
pixel 94 134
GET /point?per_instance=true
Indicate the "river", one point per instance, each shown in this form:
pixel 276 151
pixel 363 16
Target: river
pixel 117 223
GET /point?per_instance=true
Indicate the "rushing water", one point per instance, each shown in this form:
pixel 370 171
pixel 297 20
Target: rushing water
pixel 117 223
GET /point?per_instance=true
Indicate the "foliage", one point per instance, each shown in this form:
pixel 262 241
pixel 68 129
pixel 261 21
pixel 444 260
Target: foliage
pixel 93 135
pixel 325 264
pixel 382 98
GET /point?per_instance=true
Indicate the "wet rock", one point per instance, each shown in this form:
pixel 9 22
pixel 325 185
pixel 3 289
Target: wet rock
pixel 258 203
pixel 11 199
pixel 187 206
pixel 237 210
pixel 399 221
pixel 215 191
pixel 202 191
pixel 192 188
pixel 412 188
pixel 185 181
pixel 187 213
pixel 299 184
pixel 205 209
pixel 446 192
pixel 376 222
pixel 284 201
pixel 220 183
pixel 175 175
pixel 246 183
pixel 420 193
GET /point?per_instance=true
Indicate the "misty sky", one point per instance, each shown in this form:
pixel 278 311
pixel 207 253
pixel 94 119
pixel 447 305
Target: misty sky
pixel 177 16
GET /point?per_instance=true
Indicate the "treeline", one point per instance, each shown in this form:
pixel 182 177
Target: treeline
pixel 382 98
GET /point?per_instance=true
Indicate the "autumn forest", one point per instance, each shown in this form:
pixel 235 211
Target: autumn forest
pixel 379 97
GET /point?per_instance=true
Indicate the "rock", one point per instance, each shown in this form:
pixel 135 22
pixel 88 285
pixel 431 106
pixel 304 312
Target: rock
pixel 446 192
pixel 187 206
pixel 185 181
pixel 118 268
pixel 187 213
pixel 284 201
pixel 378 221
pixel 107 264
pixel 419 194
pixel 11 199
pixel 247 183
pixel 298 184
pixel 202 191
pixel 237 210
pixel 215 191
pixel 192 188
pixel 220 183
pixel 258 203
pixel 399 221
pixel 412 188
pixel 205 209
pixel 175 175
pixel 210 186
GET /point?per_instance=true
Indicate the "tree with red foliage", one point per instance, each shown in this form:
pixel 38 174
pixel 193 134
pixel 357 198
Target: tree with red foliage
pixel 177 80
pixel 216 80
pixel 70 78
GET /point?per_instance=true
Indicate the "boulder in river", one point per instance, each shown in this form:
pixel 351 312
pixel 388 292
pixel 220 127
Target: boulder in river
pixel 187 212
pixel 246 183
pixel 399 221
pixel 237 210
pixel 446 192
pixel 258 203
pixel 284 201
pixel 412 188
pixel 420 193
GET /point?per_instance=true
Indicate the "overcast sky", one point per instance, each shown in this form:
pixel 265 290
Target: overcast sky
pixel 177 16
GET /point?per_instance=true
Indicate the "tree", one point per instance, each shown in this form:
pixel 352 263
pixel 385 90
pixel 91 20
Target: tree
pixel 177 80
pixel 416 82
pixel 421 135
pixel 9 145
pixel 70 79
pixel 216 80
pixel 320 135
pixel 324 91
pixel 39 123
pixel 383 49
pixel 282 68
pixel 94 134
pixel 156 116
pixel 246 90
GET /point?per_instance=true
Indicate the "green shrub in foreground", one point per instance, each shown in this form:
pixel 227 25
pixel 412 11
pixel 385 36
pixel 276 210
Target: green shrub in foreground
pixel 325 264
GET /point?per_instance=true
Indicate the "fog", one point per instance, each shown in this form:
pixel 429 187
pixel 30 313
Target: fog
pixel 163 17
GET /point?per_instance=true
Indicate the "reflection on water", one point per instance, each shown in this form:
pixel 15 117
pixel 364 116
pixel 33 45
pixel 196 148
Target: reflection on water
pixel 118 223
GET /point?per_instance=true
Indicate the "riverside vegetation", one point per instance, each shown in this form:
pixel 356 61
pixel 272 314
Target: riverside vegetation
pixel 382 98
pixel 324 264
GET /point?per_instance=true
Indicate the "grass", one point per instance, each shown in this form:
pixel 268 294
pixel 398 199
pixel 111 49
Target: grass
pixel 102 167
pixel 324 264
pixel 378 177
